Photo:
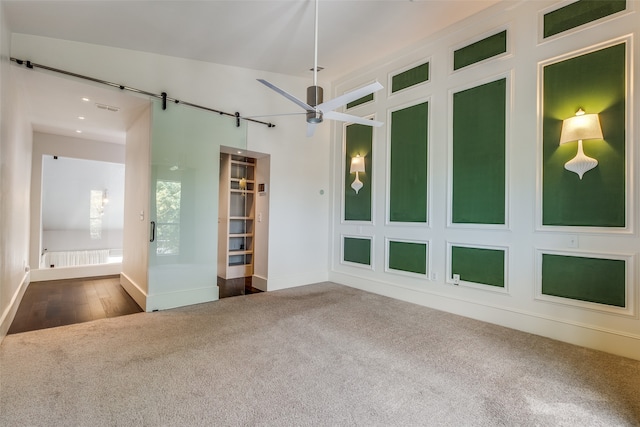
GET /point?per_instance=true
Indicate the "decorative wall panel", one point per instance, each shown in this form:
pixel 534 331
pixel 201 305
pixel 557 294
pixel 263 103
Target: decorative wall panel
pixel 408 164
pixel 479 138
pixel 595 82
pixel 357 207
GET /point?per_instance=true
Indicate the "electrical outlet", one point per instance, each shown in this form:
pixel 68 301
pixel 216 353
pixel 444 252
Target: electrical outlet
pixel 434 276
pixel 456 279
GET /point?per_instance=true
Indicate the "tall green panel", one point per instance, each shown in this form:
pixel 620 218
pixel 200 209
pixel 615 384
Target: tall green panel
pixel 594 82
pixel 357 250
pixel 578 13
pixel 410 77
pixel 408 256
pixel 357 207
pixel 586 279
pixel 479 120
pixel 408 174
pixel 478 265
pixel 480 50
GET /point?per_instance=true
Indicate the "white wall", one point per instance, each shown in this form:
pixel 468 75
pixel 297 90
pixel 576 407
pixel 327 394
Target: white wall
pixel 298 247
pixel 15 172
pixel 517 308
pixel 261 223
pixel 135 262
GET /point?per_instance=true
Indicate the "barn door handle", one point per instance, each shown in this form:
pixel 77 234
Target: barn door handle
pixel 153 231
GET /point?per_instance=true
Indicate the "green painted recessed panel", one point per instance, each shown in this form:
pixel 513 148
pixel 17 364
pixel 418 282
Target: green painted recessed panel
pixel 408 174
pixel 410 77
pixel 586 279
pixel 357 250
pixel 478 265
pixel 581 12
pixel 596 83
pixel 479 120
pixel 359 101
pixel 357 207
pixel 480 50
pixel 408 256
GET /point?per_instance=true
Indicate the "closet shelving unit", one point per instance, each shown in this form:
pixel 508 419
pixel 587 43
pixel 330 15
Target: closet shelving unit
pixel 236 216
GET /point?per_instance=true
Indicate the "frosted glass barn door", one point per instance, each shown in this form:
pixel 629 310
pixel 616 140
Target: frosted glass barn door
pixel 183 228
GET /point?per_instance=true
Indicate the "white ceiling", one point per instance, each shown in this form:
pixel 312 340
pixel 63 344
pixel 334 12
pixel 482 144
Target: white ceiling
pixel 275 36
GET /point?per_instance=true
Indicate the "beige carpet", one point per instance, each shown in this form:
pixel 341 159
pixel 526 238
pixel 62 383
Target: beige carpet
pixel 321 355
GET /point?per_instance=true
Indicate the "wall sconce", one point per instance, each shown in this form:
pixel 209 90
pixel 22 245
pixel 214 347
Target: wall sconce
pixel 357 166
pixel 578 128
pixel 105 197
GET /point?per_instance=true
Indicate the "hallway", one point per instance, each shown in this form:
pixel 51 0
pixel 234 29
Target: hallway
pixel 65 302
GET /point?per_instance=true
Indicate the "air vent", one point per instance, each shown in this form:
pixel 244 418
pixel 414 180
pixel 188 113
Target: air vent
pixel 108 107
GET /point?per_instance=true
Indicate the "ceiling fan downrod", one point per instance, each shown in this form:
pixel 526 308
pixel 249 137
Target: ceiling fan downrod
pixel 314 93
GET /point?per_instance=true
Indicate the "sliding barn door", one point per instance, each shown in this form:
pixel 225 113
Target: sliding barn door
pixel 183 229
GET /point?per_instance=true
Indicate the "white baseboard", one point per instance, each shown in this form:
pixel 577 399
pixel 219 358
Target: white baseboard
pixel 285 282
pixel 60 273
pixel 259 282
pixel 134 290
pixel 10 312
pixel 585 335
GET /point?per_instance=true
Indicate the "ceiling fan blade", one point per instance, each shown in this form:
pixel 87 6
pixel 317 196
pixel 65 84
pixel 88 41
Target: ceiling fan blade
pixel 334 115
pixel 311 128
pixel 341 100
pixel 287 95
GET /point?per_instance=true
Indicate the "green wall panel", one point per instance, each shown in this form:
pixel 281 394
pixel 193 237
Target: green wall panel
pixel 594 82
pixel 408 174
pixel 480 50
pixel 357 207
pixel 479 120
pixel 410 77
pixel 357 250
pixel 478 265
pixel 585 279
pixel 579 13
pixel 408 256
pixel 359 101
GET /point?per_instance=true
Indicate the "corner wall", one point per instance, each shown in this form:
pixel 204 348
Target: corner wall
pixel 519 303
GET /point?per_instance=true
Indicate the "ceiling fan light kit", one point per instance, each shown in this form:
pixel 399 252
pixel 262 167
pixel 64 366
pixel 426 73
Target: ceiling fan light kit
pixel 315 107
pixel 314 97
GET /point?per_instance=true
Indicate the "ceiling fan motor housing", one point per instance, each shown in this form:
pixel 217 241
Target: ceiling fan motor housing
pixel 314 97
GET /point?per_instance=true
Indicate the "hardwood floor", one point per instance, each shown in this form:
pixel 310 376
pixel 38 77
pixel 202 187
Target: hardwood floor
pixel 64 302
pixel 235 287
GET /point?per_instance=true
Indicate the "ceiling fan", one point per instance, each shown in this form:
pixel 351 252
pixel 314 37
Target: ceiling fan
pixel 316 109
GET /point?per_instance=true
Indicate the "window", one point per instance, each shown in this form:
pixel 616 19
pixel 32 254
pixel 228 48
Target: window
pixel 96 210
pixel 168 198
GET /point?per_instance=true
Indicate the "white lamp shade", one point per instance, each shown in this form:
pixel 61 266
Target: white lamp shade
pixel 581 127
pixel 357 164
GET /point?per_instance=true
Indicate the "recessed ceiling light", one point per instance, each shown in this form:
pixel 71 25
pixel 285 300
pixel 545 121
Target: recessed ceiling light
pixel 78 131
pixel 86 99
pixel 239 152
pixel 81 117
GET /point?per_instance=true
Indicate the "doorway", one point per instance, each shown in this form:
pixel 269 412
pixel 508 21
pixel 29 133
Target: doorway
pixel 82 212
pixel 243 222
